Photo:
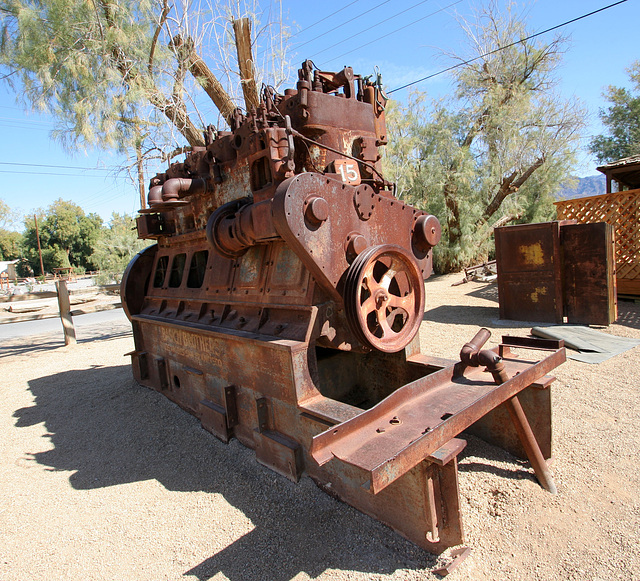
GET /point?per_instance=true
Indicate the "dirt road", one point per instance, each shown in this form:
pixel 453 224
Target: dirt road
pixel 103 479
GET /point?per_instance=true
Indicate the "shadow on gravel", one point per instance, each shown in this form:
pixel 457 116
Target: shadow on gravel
pixel 108 430
pixel 462 315
pixel 24 345
pixel 628 313
pixel 31 345
pixel 488 293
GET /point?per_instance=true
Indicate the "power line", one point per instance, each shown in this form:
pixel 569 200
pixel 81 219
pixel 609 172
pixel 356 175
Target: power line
pixel 395 31
pixel 505 47
pixel 18 126
pixel 325 18
pixel 343 24
pixel 352 36
pixel 24 120
pixel 55 166
pixel 312 25
pixel 68 175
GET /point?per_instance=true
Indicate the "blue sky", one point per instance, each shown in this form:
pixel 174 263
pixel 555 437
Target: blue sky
pixel 405 39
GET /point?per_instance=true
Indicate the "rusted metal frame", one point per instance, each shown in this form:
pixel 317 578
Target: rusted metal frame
pixel 557 272
pixel 202 327
pixel 342 440
pixel 220 419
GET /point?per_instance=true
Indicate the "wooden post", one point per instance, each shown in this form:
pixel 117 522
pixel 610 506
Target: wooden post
pixel 242 31
pixel 65 312
pixel 39 249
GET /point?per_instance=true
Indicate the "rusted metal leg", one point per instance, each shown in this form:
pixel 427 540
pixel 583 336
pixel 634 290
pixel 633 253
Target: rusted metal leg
pixel 530 444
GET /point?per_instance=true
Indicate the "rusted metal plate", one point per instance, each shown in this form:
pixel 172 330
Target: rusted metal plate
pixel 497 428
pixel 557 271
pixel 422 416
pixel 324 247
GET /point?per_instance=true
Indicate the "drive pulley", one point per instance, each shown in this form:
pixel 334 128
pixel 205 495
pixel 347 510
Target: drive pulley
pixel 384 297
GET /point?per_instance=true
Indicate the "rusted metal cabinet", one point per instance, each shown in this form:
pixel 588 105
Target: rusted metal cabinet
pixel 557 272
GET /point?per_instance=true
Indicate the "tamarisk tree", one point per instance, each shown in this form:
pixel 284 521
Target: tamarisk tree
pixel 493 152
pixel 117 73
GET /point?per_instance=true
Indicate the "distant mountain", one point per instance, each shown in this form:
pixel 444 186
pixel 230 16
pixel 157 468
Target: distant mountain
pixel 582 187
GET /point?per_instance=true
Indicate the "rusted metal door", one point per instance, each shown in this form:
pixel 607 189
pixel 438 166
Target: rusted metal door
pixel 529 272
pixel 557 272
pixel 589 273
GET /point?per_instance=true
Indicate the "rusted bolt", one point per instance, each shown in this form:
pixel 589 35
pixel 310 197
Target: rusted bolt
pixel 380 298
pixel 427 233
pixel 316 210
pixel 356 243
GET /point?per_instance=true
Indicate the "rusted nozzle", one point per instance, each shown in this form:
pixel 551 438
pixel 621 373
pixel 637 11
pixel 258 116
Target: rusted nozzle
pixel 469 353
pixel 472 355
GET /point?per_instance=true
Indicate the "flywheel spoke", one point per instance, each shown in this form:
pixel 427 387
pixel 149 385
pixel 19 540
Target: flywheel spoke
pixel 404 303
pixel 387 331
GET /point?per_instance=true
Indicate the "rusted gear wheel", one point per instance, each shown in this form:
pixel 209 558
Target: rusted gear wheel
pixel 384 297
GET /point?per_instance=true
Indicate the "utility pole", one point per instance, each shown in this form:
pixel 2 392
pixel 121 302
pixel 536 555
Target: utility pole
pixel 39 249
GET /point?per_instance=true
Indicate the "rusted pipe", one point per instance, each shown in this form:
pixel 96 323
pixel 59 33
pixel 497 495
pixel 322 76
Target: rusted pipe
pixel 470 351
pixel 175 188
pixel 155 195
pixel 471 355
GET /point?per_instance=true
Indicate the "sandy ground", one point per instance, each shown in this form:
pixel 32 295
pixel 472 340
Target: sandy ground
pixel 103 479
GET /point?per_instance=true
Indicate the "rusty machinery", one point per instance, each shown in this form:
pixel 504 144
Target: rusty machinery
pixel 282 302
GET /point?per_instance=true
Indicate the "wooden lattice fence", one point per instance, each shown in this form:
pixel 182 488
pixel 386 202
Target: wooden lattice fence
pixel 622 210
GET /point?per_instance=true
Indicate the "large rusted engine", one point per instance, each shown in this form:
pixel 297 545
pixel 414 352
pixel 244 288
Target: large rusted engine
pixel 281 306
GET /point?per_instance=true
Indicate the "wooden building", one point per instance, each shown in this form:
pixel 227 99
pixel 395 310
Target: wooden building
pixel 620 207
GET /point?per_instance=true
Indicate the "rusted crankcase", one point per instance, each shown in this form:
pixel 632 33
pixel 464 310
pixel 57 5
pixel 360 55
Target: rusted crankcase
pixel 367 250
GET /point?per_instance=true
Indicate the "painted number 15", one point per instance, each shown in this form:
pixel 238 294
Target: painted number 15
pixel 348 171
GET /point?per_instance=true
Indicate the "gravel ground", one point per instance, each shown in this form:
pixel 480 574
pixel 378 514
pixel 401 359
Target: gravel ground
pixel 104 479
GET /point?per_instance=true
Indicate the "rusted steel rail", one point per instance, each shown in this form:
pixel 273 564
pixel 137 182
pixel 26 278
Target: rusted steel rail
pixel 281 306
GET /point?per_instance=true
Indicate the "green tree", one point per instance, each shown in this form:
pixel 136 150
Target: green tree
pixel 10 244
pixel 115 73
pixel 117 245
pixel 67 237
pixel 621 120
pixel 494 151
pixel 10 240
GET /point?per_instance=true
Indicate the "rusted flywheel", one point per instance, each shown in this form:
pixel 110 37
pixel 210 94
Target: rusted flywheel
pixel 384 297
pixel 222 232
